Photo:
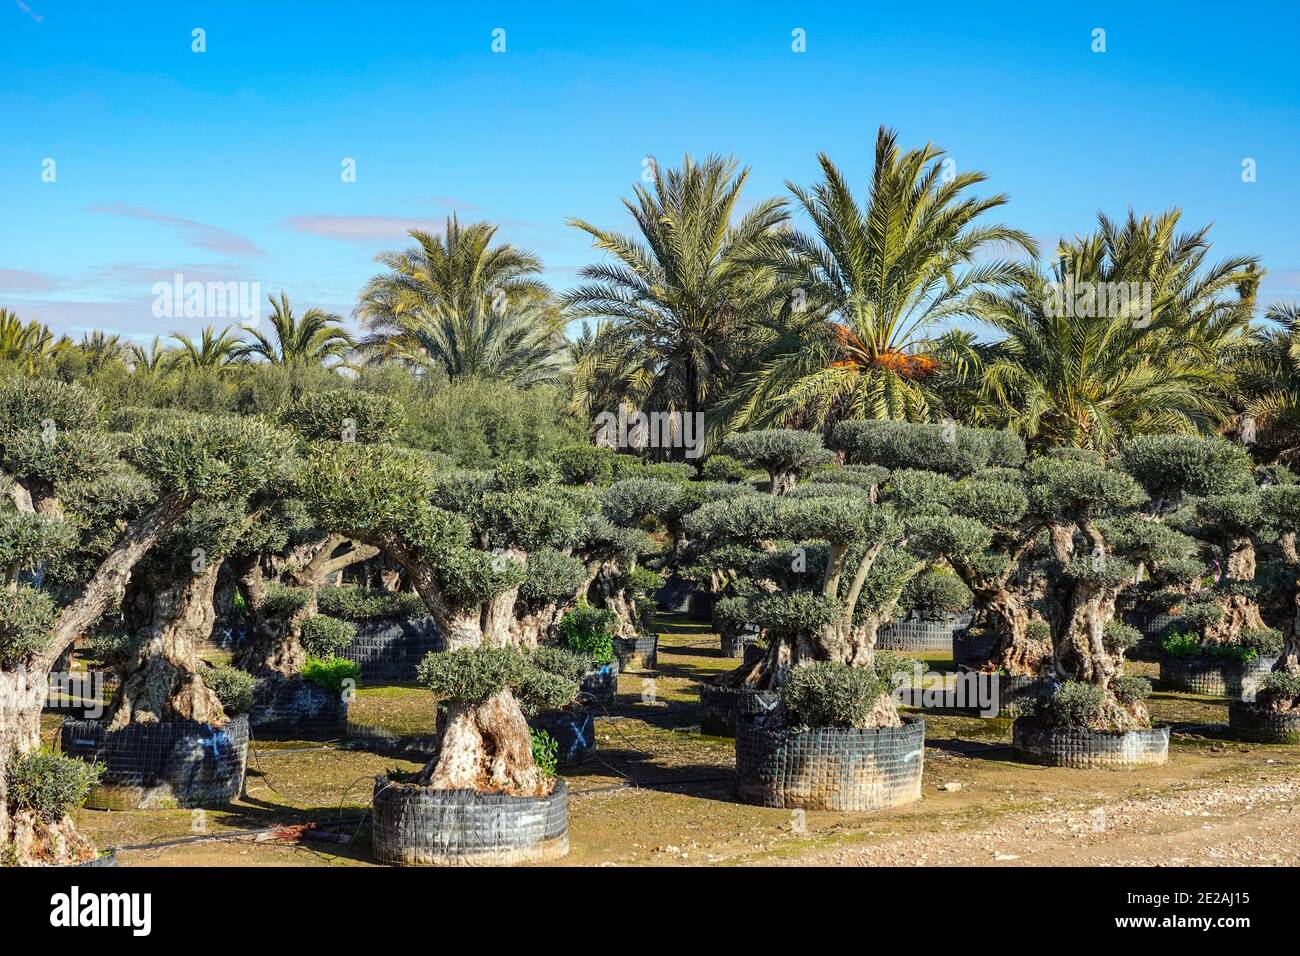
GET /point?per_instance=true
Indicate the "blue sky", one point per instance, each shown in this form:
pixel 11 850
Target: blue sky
pixel 225 165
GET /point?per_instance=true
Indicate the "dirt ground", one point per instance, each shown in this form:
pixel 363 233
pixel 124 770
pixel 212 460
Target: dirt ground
pixel 660 793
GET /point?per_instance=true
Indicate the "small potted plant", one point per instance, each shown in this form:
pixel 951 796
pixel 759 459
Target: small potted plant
pixel 1273 717
pixel 589 632
pixel 486 798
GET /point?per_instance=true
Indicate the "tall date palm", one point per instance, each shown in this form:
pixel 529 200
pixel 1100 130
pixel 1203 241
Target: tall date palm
pixel 873 283
pixel 673 296
pixel 1156 361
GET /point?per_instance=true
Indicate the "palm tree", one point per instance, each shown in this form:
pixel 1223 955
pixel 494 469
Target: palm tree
pixel 458 304
pixel 150 361
pixel 522 343
pixel 28 344
pixel 872 283
pixel 101 350
pixel 676 296
pixel 317 339
pixel 213 351
pixel 1155 360
pixel 1267 377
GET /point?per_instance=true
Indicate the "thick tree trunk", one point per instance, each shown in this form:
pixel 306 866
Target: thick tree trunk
pixel 276 648
pixel 1006 610
pixel 109 580
pixel 23 690
pixel 605 592
pixel 163 684
pixel 782 481
pixel 487 747
pixel 22 695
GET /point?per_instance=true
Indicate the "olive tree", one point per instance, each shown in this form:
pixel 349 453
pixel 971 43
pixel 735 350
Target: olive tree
pixel 64 570
pixel 976 474
pixel 284 549
pixel 839 574
pixel 784 453
pixel 1207 488
pixel 465 540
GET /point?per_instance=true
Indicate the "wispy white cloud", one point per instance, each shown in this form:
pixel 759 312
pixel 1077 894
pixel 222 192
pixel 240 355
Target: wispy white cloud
pixel 360 228
pixel 36 17
pixel 201 234
pixel 19 280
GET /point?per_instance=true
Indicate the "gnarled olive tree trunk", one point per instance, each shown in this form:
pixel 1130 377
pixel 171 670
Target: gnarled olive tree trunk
pixel 23 689
pixel 486 746
pixel 169 617
pixel 276 647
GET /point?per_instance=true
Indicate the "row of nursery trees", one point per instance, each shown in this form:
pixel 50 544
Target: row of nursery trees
pixel 120 526
pixel 127 521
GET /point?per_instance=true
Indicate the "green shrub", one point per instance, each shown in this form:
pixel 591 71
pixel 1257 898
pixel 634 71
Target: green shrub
pixel 545 751
pixel 233 687
pixel 1119 636
pixel 331 672
pixel 551 576
pixel 793 615
pixel 1130 688
pixel 1196 617
pixel 26 617
pixel 562 662
pixel 890 667
pixel 1178 643
pixel 48 784
pixel 1280 687
pixel 1265 641
pixel 1075 704
pixel 590 630
pixel 283 600
pixel 472 675
pixel 345 414
pixel 324 636
pixel 937 592
pixel 828 694
pixel 351 603
pixel 112 649
pixel 1038 630
pixel 732 612
pixel 722 467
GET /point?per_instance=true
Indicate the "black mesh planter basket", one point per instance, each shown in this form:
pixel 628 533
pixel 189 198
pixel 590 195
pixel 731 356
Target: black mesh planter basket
pixel 1262 725
pixel 722 707
pixel 1019 692
pixel 972 647
pixel 1216 677
pixel 922 634
pixel 413 825
pixel 157 766
pixel 1089 749
pixel 391 650
pixel 296 707
pixel 574 730
pixel 830 768
pixel 675 596
pixel 1152 625
pixel 737 641
pixel 701 606
pixel 601 685
pixel 638 653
